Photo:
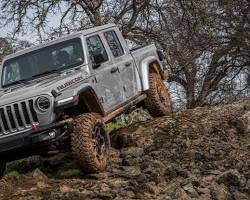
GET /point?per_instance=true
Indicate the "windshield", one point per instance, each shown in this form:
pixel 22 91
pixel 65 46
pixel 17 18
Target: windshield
pixel 49 59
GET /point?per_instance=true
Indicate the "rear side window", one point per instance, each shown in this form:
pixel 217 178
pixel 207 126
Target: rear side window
pixel 96 50
pixel 114 43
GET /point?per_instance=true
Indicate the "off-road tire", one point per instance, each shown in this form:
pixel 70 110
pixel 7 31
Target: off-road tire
pixel 2 169
pixel 85 146
pixel 158 101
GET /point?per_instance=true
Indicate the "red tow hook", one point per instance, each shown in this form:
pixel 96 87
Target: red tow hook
pixel 34 126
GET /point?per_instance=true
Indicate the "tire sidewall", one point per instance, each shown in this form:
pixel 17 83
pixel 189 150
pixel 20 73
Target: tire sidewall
pixel 166 110
pixel 82 142
pixel 153 102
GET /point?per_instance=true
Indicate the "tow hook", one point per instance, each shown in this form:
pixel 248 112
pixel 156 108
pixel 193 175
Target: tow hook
pixel 52 132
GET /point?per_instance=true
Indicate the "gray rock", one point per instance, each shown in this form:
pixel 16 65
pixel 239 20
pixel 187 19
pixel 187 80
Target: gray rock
pixel 220 192
pixel 183 195
pixel 70 173
pixel 241 196
pixel 38 175
pixel 56 160
pixel 127 171
pixel 189 189
pixel 137 115
pixel 99 176
pixel 170 172
pixel 231 178
pixel 243 123
pixel 248 183
pixel 131 161
pixel 151 187
pixel 132 152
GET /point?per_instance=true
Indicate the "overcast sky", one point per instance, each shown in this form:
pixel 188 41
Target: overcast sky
pixel 29 35
pixel 6 31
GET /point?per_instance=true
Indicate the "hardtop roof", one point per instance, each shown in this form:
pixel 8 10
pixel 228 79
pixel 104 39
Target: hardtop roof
pixel 58 40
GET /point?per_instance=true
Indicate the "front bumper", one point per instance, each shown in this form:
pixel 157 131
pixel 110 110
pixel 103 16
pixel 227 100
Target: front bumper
pixel 12 146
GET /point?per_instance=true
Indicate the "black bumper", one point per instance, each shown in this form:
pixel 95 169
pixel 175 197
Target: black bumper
pixel 13 147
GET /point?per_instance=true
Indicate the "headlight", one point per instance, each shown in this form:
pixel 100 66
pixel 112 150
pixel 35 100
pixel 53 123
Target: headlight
pixel 43 103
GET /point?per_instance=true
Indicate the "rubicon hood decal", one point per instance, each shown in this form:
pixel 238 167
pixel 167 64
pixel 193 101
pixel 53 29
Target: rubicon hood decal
pixel 70 83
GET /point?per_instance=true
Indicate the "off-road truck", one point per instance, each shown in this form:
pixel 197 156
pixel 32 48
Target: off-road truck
pixel 60 94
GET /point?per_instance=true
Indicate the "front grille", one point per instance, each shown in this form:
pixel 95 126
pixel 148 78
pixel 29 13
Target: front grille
pixel 17 117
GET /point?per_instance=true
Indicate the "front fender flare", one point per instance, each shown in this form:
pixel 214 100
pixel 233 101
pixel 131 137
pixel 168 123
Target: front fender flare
pixel 87 90
pixel 92 99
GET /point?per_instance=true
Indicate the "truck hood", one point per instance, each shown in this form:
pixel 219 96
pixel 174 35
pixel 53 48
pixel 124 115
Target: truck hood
pixel 44 85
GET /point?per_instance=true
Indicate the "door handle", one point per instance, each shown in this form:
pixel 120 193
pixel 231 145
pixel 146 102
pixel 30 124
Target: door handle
pixel 128 64
pixel 114 69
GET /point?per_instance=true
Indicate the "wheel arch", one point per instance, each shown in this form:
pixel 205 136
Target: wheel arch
pixel 150 65
pixel 89 100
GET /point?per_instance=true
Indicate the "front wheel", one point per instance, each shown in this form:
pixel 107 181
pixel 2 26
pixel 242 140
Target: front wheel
pixel 90 142
pixel 158 101
pixel 2 169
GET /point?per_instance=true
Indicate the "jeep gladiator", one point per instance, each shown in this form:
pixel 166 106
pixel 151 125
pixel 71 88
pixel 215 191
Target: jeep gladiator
pixel 61 93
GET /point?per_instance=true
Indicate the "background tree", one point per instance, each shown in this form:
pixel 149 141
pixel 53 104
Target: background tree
pixel 5 48
pixel 8 46
pixel 206 42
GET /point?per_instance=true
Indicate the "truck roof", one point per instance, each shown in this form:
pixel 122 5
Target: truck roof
pixel 58 40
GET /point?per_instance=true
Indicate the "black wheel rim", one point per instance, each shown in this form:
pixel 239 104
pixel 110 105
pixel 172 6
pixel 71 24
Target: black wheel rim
pixel 100 141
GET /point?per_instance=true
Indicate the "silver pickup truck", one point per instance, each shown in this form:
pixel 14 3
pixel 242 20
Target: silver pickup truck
pixel 61 93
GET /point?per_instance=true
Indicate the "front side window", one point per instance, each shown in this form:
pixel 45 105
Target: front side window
pixel 96 50
pixel 55 57
pixel 114 43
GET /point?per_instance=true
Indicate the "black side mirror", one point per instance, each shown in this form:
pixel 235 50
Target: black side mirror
pixel 98 59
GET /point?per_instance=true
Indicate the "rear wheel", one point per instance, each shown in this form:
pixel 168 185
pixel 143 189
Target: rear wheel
pixel 2 169
pixel 158 100
pixel 90 142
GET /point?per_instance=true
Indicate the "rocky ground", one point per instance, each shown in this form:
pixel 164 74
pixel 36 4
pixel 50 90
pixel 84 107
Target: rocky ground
pixel 196 154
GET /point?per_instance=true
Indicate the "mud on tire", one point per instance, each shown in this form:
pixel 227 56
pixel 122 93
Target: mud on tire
pixel 90 142
pixel 2 169
pixel 158 100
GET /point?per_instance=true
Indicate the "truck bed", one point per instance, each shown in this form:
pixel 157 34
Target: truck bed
pixel 139 54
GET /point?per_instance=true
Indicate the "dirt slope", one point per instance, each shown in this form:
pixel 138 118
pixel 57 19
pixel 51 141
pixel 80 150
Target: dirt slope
pixel 196 154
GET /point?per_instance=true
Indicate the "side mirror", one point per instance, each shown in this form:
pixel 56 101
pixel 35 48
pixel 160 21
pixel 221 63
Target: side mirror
pixel 98 59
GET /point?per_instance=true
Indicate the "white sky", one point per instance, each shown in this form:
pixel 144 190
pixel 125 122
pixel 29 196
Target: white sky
pixel 30 35
pixel 7 32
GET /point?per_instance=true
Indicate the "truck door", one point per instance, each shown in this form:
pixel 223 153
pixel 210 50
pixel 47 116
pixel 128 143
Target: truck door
pixel 125 64
pixel 107 83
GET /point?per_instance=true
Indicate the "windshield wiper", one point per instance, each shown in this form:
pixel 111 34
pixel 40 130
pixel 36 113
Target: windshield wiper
pixel 16 82
pixel 45 73
pixel 30 78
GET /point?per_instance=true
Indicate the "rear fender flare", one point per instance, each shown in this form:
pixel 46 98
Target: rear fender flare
pixel 149 65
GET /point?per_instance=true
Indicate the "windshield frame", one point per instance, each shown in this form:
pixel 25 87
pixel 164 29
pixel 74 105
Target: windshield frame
pixel 52 46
